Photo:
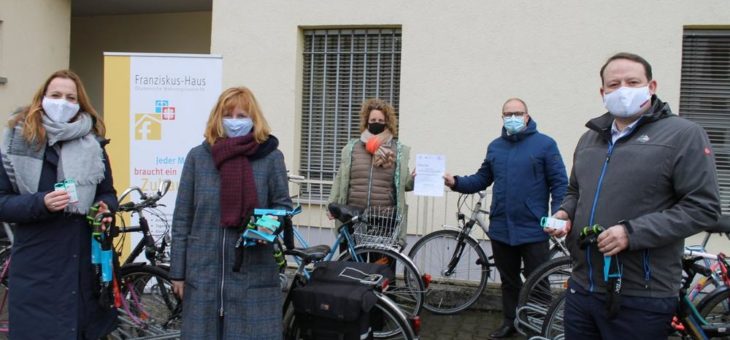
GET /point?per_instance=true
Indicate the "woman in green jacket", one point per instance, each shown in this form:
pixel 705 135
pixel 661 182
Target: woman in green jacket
pixel 374 168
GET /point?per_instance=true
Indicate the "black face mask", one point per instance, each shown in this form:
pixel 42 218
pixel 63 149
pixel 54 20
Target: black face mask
pixel 376 128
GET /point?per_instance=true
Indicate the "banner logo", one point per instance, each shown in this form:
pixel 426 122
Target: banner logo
pixel 147 126
pixel 163 106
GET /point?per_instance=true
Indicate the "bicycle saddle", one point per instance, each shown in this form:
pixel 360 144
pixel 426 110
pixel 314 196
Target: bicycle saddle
pixel 310 254
pixel 722 226
pixel 344 213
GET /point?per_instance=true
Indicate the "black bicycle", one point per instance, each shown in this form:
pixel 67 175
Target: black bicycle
pixel 149 306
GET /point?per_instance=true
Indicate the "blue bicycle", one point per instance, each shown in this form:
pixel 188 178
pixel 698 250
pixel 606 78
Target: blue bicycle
pixel 362 237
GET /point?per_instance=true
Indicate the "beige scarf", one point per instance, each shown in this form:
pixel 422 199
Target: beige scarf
pixel 379 146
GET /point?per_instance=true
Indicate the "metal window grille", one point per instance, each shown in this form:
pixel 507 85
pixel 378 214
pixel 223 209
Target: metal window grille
pixel 705 95
pixel 342 67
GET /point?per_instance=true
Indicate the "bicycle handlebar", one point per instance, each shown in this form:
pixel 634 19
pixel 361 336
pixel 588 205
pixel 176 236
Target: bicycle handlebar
pixel 147 201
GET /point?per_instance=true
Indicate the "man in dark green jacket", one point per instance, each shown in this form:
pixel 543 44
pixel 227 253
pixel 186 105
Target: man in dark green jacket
pixel 648 178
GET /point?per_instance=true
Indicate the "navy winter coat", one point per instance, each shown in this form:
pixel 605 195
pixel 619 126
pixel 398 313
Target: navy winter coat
pixel 526 168
pixel 52 282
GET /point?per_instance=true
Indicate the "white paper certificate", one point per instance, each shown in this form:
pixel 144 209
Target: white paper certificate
pixel 429 175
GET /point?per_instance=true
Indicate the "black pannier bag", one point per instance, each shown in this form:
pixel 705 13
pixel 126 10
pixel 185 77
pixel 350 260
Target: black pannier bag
pixel 335 306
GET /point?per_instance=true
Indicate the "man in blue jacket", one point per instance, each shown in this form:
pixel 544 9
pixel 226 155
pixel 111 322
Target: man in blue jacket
pixel 526 169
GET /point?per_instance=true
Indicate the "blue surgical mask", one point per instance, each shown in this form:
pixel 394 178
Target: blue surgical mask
pixel 513 124
pixel 237 127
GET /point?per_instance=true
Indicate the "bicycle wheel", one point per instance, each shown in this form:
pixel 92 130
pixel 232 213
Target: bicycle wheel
pixel 451 291
pixel 715 307
pixel 405 290
pixel 395 322
pixel 539 291
pixel 552 327
pixel 150 306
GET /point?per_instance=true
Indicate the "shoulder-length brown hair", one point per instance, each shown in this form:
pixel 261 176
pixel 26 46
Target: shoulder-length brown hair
pixel 32 115
pixel 391 121
pixel 228 101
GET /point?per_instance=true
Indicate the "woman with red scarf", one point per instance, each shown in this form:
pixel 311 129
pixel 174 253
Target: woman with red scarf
pixel 236 169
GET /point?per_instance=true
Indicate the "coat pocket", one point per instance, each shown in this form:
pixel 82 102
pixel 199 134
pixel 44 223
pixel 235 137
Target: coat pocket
pixel 536 211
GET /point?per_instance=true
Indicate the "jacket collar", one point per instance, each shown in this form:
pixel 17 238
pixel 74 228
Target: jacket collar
pixel 659 110
pixel 530 129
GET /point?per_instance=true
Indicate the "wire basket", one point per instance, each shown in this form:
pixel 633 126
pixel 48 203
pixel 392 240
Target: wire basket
pixel 378 226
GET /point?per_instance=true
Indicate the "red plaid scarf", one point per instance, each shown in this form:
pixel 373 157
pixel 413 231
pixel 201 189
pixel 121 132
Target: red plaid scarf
pixel 237 186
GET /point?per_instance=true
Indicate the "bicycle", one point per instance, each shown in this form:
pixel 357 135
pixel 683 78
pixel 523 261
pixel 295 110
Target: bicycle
pixel 406 290
pixel 408 286
pixel 545 285
pixel 458 266
pixel 396 325
pixel 541 288
pixel 706 319
pixel 6 244
pixel 149 305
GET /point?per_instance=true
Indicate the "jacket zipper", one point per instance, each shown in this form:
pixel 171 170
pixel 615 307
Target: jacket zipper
pixel 593 210
pixel 223 268
pixel 370 180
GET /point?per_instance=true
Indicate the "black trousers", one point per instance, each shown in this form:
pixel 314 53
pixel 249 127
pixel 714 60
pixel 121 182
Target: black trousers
pixel 508 260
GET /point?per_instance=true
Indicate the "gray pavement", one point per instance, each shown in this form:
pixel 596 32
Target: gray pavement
pixel 469 324
pixel 475 323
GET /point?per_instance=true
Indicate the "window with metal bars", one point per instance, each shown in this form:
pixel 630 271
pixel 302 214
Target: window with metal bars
pixel 705 95
pixel 342 68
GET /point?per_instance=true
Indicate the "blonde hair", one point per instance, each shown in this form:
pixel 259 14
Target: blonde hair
pixel 32 115
pixel 391 121
pixel 228 101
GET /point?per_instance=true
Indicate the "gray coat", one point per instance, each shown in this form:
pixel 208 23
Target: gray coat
pixel 203 253
pixel 659 181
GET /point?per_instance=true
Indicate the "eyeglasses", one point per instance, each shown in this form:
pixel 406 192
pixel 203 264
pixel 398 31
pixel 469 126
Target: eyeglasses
pixel 518 114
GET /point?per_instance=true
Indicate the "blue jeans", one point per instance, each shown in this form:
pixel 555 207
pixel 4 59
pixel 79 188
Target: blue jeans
pixel 638 318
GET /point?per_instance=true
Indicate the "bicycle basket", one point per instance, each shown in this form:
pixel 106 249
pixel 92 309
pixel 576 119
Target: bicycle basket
pixel 379 226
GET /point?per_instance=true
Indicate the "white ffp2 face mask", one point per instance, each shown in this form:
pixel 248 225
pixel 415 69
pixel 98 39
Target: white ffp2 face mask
pixel 626 101
pixel 59 110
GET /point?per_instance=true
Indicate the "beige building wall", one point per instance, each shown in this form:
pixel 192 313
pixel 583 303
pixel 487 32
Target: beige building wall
pixel 34 42
pixel 462 59
pixel 155 33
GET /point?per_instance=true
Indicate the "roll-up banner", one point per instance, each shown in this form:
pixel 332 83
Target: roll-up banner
pixel 155 109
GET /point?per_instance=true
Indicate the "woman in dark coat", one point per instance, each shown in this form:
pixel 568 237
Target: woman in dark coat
pixel 236 169
pixel 53 287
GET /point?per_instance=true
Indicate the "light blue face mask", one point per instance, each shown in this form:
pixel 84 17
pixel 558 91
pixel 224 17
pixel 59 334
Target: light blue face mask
pixel 237 127
pixel 513 124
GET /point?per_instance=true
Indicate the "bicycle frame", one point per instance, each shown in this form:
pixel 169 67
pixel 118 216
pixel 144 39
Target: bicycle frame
pixel 147 243
pixel 342 235
pixel 694 324
pixel 144 244
pixel 478 217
